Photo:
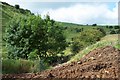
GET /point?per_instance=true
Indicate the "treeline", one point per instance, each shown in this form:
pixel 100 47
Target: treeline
pixel 114 29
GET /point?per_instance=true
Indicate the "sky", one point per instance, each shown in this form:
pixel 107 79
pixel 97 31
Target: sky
pixel 80 12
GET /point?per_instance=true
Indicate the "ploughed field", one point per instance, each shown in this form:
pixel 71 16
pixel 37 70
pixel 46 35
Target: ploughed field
pixel 102 63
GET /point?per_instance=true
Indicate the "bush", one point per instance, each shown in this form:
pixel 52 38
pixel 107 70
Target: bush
pixel 86 38
pixel 112 32
pixel 77 46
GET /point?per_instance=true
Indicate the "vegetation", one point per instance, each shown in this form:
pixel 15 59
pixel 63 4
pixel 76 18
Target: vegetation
pixel 17 6
pixel 32 34
pixel 85 39
pixel 22 66
pixel 31 43
pixel 102 43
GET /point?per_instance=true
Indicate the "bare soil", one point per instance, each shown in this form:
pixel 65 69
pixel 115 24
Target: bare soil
pixel 99 64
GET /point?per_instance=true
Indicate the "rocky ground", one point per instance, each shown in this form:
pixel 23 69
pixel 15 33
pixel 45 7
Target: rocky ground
pixel 99 64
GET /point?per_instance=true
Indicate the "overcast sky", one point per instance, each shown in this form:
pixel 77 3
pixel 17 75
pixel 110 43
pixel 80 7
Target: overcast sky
pixel 81 12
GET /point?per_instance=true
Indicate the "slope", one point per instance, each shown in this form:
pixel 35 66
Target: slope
pixel 100 63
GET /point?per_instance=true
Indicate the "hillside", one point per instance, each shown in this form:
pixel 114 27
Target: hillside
pixel 108 40
pixel 9 11
pixel 100 63
pixel 84 43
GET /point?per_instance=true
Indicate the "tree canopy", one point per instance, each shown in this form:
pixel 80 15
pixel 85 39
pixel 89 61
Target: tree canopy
pixel 33 34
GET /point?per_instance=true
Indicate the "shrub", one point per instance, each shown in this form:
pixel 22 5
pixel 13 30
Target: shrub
pixel 77 46
pixel 85 39
pixel 112 32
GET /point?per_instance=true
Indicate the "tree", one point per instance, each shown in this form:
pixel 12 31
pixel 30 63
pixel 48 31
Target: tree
pixel 110 27
pixel 34 34
pixel 94 24
pixel 116 27
pixel 17 6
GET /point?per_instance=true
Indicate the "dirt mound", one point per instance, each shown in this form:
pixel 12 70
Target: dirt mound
pixel 100 63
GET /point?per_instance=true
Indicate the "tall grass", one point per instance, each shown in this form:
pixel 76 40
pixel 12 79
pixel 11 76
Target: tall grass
pixel 22 66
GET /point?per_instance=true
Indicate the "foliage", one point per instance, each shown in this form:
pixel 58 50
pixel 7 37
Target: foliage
pixel 112 32
pixel 32 33
pixel 33 55
pixel 116 27
pixel 17 6
pixel 94 24
pixel 86 38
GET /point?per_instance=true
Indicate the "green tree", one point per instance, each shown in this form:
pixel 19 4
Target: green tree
pixel 94 24
pixel 116 27
pixel 17 6
pixel 34 34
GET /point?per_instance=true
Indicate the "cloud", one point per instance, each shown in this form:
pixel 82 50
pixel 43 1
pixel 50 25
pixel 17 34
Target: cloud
pixel 82 13
pixel 85 14
pixel 60 0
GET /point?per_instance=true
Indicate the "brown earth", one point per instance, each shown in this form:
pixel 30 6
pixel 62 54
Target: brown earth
pixel 99 64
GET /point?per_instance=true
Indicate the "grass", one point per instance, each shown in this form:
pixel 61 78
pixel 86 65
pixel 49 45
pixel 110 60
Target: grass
pixel 117 46
pixel 104 42
pixel 110 37
pixel 16 66
pixel 22 66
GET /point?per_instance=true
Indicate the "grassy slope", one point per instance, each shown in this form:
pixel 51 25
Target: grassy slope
pixel 9 11
pixel 111 40
pixel 70 32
